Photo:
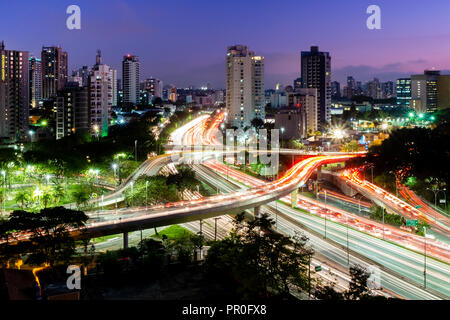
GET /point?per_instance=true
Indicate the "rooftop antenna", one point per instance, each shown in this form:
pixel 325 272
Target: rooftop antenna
pixel 98 59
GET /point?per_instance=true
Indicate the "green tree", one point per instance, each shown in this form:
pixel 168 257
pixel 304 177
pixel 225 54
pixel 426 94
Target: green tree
pixel 258 262
pixel 50 241
pixel 358 288
pixel 22 197
pixel 80 196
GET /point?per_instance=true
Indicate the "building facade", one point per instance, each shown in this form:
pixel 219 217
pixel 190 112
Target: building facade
pixel 35 77
pixel 14 94
pixel 130 79
pixel 101 83
pixel 403 91
pixel 72 111
pixel 244 86
pixel 424 87
pixel 306 100
pixel 54 71
pixel 316 73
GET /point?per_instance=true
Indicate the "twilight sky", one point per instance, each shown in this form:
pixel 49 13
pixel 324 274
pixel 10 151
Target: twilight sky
pixel 184 42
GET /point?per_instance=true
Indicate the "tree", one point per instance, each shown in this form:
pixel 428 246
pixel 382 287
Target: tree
pixel 50 241
pixel 358 288
pixel 58 193
pixel 257 123
pixel 328 292
pixel 258 262
pixel 22 197
pixel 80 196
pixel 46 198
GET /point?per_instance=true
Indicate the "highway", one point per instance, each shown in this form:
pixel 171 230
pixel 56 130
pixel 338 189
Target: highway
pixel 238 201
pixel 383 197
pixel 291 221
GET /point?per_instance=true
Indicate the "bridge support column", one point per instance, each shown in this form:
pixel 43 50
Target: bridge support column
pixel 125 240
pixel 294 195
pixel 257 211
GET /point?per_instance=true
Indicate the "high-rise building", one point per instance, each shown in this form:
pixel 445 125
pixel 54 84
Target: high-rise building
pixel 72 110
pixel 298 83
pixel 444 92
pixel 130 79
pixel 244 86
pixel 374 89
pixel 154 87
pixel 316 73
pixel 335 90
pixel 173 95
pixel 14 94
pixel 306 100
pixel 101 83
pixel 35 78
pixel 403 90
pixel 83 74
pixel 387 90
pixel 424 87
pixel 114 88
pixel 350 88
pixel 54 71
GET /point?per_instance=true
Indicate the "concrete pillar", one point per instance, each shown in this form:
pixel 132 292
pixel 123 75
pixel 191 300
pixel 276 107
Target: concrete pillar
pixel 294 198
pixel 257 211
pixel 125 240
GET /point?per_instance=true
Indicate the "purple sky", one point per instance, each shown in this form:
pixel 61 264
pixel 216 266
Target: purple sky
pixel 183 42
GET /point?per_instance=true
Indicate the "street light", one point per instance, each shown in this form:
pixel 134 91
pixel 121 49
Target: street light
pixel 359 202
pixel 325 216
pixel 146 194
pixel 425 258
pixel 4 191
pixel 436 192
pixel 31 133
pixel 282 136
pixel 114 166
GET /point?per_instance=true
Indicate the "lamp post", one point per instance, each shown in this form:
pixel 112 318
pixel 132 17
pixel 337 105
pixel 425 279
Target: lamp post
pixel 146 195
pixel 135 150
pixel 348 252
pixel 31 133
pixel 383 223
pixel 325 192
pixel 282 136
pixel 436 192
pixel 132 192
pixel 4 191
pixel 359 202
pixel 114 166
pixel 425 258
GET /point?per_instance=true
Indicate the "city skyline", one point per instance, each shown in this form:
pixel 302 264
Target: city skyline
pixel 164 41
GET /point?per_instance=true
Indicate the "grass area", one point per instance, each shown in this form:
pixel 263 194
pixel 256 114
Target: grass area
pixel 105 238
pixel 173 232
pixel 11 203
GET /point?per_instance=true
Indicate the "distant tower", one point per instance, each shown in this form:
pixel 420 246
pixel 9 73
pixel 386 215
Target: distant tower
pixel 98 58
